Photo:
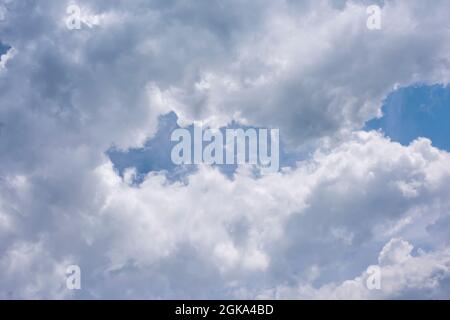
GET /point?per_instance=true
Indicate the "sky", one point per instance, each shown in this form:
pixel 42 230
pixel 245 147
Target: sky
pixel 3 48
pixel 86 177
pixel 416 111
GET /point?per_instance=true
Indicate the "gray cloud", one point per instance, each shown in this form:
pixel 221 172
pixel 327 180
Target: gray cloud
pixel 310 68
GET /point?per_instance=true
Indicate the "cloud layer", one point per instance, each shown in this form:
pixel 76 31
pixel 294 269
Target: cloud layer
pixel 310 68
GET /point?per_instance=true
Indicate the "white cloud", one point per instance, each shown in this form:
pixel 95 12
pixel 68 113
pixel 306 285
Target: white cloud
pixel 406 276
pixel 310 68
pixel 335 206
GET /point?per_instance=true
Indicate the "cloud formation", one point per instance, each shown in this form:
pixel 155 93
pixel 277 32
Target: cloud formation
pixel 309 68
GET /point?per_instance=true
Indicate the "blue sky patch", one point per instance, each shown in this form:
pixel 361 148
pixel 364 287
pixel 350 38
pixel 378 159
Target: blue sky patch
pixel 416 111
pixel 155 155
pixel 3 48
pixel 408 113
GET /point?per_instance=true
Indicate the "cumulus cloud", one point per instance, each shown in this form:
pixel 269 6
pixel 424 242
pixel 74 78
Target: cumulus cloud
pixel 317 223
pixel 310 68
pixel 405 276
pixel 317 71
pixel 343 203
